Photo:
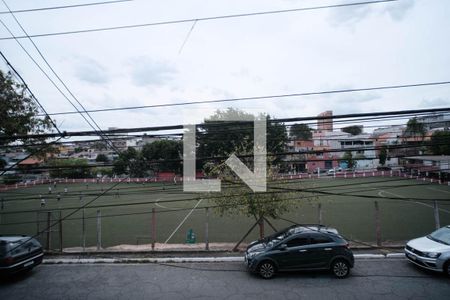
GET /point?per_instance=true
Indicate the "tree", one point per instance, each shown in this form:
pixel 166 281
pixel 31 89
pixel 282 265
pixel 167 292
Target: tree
pixel 69 168
pixel 414 128
pixel 353 130
pixel 19 113
pixel 123 162
pixel 349 160
pixel 237 137
pixel 440 143
pixel 300 132
pixel 383 155
pixel 219 137
pixel 163 155
pixel 102 158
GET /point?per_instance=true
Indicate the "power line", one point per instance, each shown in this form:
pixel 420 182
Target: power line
pixel 29 90
pixel 263 97
pixel 63 7
pixel 251 14
pixel 280 120
pixel 177 136
pixel 54 73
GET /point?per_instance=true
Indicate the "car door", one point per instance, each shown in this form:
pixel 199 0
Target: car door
pixel 295 254
pixel 321 250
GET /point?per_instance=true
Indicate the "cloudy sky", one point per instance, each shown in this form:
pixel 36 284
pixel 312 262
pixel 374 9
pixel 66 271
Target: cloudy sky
pixel 401 42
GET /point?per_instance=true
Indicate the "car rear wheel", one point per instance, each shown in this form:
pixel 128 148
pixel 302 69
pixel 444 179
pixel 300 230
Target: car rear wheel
pixel 266 269
pixel 340 268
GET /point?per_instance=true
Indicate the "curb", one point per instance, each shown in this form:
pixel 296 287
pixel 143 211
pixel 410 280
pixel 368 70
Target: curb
pixel 55 261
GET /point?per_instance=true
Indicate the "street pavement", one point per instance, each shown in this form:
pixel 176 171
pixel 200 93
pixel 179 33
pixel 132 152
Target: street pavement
pixel 386 278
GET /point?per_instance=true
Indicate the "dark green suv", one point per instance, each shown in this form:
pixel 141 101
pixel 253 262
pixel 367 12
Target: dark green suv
pixel 300 247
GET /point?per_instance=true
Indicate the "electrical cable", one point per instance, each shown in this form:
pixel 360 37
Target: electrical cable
pixel 202 19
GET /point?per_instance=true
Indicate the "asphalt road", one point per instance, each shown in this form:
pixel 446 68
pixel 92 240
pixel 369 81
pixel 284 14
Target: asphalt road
pixel 370 279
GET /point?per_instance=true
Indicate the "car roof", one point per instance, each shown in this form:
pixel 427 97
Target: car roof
pixel 312 228
pixel 12 238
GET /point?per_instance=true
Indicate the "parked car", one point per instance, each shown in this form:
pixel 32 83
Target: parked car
pixel 300 247
pixel 334 171
pixel 384 168
pixel 431 252
pixel 19 253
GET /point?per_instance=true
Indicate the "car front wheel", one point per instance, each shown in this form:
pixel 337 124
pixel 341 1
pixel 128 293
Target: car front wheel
pixel 447 268
pixel 266 269
pixel 340 268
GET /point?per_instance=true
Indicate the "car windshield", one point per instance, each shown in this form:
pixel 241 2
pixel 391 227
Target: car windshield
pixel 441 235
pixel 273 240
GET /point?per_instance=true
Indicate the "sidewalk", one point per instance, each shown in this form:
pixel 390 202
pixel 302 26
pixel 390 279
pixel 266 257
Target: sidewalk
pixel 183 254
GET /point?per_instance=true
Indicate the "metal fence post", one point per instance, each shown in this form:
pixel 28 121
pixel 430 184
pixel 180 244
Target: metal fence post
pixel 319 213
pixel 60 233
pixel 83 231
pixel 207 229
pixel 99 230
pixel 153 228
pixel 49 215
pixel 436 215
pixel 377 224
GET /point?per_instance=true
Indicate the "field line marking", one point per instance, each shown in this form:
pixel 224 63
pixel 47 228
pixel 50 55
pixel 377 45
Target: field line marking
pixel 182 222
pixel 160 205
pixel 435 189
pixel 380 193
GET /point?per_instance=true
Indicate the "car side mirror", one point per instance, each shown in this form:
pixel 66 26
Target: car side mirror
pixel 282 247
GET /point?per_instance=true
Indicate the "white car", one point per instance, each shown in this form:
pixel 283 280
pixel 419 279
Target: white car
pixel 432 251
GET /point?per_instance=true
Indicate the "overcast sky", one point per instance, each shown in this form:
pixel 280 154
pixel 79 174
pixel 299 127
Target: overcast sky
pixel 373 45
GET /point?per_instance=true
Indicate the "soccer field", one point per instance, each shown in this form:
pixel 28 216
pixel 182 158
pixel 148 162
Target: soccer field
pixel 348 205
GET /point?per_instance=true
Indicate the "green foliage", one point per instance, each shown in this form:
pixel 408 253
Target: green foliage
pixel 10 179
pixel 383 155
pixel 102 158
pixel 218 137
pixel 301 132
pixel 168 152
pixel 440 143
pixel 69 168
pixel 18 112
pixel 414 128
pixel 348 158
pixel 123 162
pixel 237 137
pixel 353 130
pixel 103 171
pixel 159 156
